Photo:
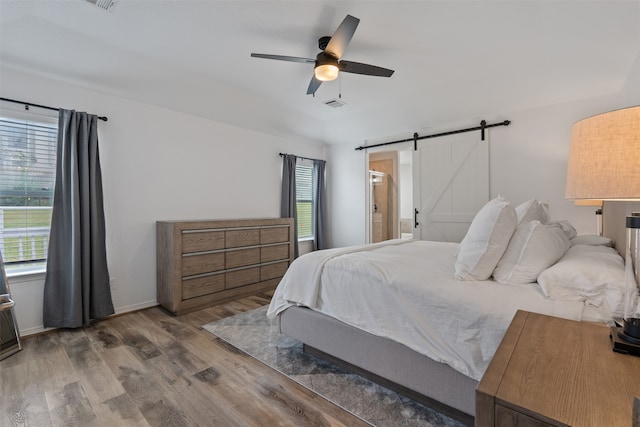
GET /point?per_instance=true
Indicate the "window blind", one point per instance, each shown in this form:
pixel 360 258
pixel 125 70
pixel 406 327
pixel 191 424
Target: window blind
pixel 27 179
pixel 304 199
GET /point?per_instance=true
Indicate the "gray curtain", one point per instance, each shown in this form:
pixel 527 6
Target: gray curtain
pixel 76 288
pixel 288 195
pixel 320 203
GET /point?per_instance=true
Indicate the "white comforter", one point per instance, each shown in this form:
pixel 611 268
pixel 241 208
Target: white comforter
pixel 404 290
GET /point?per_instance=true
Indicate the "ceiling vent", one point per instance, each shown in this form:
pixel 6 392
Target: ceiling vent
pixel 335 103
pixel 104 4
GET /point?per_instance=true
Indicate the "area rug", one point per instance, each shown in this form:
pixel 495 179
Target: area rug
pixel 257 336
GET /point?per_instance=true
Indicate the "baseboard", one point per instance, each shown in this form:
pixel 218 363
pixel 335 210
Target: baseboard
pixel 120 310
pixel 34 331
pixel 135 307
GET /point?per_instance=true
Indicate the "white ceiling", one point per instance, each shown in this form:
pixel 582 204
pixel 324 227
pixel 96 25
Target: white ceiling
pixel 454 61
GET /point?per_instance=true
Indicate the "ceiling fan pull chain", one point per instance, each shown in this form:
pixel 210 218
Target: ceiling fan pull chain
pixel 340 86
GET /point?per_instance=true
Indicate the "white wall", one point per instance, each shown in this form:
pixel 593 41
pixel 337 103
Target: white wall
pixel 346 195
pixel 158 164
pixel 405 183
pixel 528 159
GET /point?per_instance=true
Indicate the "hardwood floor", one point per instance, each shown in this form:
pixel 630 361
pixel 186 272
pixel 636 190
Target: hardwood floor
pixel 149 368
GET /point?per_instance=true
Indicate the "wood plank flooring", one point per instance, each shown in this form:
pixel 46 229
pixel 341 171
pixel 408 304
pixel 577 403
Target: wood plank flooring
pixel 149 368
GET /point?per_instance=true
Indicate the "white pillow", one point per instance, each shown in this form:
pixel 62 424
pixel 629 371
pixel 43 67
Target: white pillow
pixel 591 240
pixel 533 248
pixel 569 230
pixel 532 210
pixel 486 240
pixel 594 274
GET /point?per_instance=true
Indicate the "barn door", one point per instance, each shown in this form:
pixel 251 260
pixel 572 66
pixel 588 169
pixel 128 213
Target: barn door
pixel 450 185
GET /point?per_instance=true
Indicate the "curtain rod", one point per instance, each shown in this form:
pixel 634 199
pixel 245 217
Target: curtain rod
pixel 482 127
pixel 29 104
pixel 299 157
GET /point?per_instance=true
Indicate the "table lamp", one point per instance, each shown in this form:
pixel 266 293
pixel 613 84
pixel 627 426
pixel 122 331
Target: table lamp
pixel 593 203
pixel 631 321
pixel 604 164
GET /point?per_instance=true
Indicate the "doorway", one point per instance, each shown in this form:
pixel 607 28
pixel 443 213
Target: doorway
pixel 380 194
pixel 390 191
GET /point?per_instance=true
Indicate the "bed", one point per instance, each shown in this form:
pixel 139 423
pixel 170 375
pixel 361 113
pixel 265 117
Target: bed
pixel 421 317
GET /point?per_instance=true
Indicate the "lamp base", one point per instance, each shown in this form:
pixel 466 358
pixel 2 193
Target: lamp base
pixel 631 327
pixel 621 342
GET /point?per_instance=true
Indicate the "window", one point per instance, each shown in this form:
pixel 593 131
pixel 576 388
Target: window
pixel 304 199
pixel 27 178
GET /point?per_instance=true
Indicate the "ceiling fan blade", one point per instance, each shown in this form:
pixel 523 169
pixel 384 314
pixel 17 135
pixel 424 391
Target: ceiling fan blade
pixel 341 38
pixel 314 84
pixel 360 68
pixel 283 58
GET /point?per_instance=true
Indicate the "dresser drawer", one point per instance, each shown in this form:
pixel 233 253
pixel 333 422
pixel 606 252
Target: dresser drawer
pixel 239 238
pixel 202 241
pixel 245 276
pixel 273 271
pixel 199 264
pixel 274 235
pixel 274 253
pixel 506 417
pixel 242 257
pixel 200 286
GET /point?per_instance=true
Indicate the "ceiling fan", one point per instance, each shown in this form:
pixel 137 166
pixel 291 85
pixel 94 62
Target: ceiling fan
pixel 328 63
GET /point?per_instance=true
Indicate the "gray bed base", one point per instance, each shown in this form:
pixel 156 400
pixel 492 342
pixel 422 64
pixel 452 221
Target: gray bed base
pixel 382 360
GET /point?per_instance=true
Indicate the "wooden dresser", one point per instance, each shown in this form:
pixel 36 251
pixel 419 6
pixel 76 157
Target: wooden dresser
pixel 555 372
pixel 203 263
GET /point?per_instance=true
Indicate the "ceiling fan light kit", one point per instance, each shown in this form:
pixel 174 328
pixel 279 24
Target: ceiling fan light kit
pixel 326 68
pixel 326 72
pixel 328 62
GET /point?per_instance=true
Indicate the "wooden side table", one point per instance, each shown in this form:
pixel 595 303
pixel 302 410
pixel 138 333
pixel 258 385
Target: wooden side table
pixel 556 372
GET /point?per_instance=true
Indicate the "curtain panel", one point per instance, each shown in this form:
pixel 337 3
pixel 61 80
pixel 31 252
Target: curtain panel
pixel 320 205
pixel 76 288
pixel 288 196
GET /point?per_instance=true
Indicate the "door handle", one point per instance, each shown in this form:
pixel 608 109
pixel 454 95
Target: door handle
pixel 415 218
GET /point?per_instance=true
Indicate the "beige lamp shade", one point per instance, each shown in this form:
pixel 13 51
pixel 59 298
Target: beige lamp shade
pixel 604 158
pixel 587 202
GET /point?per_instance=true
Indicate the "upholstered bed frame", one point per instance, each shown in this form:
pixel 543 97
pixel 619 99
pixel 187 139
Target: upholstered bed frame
pixel 395 365
pixel 384 361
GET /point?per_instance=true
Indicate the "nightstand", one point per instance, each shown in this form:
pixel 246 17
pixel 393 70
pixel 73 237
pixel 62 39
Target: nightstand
pixel 555 372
